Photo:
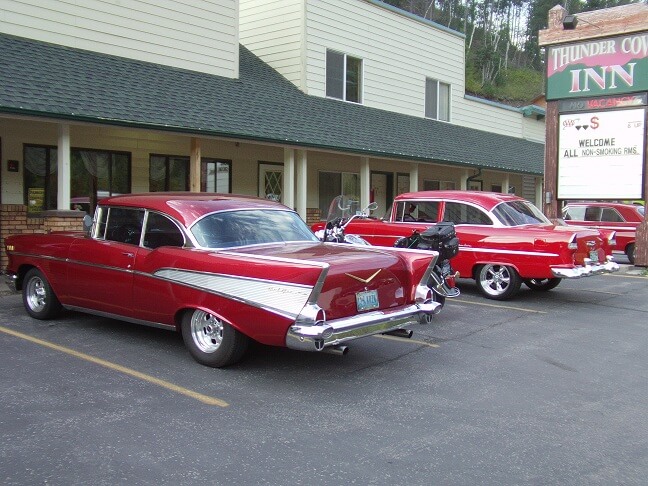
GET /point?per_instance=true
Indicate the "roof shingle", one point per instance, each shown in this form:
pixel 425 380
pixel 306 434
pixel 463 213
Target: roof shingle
pixel 49 80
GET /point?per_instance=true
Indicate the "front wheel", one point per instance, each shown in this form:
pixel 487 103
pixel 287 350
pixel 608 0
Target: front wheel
pixel 542 284
pixel 212 341
pixel 38 297
pixel 498 282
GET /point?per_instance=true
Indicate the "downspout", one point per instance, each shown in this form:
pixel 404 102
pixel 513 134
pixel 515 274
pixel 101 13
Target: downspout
pixel 474 178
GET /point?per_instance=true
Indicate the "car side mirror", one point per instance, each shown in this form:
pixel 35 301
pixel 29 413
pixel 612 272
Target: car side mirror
pixel 87 224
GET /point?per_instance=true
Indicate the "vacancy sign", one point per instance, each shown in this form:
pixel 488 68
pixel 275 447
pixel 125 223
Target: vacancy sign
pixel 600 155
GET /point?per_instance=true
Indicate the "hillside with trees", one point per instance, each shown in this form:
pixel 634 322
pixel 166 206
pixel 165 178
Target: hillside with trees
pixel 503 59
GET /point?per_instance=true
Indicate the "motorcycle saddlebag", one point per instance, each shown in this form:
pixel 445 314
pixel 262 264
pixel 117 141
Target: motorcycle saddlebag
pixel 442 238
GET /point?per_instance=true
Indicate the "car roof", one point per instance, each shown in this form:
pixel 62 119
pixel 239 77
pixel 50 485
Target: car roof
pixel 187 207
pixel 601 203
pixel 487 200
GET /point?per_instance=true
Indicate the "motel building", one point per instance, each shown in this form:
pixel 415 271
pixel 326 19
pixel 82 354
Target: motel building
pixel 294 100
pixel 597 99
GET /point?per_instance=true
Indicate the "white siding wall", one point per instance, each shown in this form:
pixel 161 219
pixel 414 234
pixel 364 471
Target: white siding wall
pixel 398 52
pixel 201 35
pixel 496 118
pixel 533 129
pixel 274 31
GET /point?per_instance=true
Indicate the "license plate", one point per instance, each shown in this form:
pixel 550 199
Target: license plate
pixel 594 256
pixel 367 300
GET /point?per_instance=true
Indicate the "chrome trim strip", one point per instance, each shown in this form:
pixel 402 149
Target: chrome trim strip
pixel 121 318
pixel 271 258
pixel 279 297
pixel 36 255
pixel 506 252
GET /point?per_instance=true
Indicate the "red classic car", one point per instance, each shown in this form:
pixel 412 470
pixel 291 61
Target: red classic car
pixel 618 217
pixel 222 269
pixel 504 240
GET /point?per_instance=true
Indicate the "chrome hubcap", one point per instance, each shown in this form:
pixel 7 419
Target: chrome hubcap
pixel 206 331
pixel 496 278
pixel 36 295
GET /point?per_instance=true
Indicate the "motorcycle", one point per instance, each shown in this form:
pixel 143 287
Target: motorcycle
pixel 441 238
pixel 342 211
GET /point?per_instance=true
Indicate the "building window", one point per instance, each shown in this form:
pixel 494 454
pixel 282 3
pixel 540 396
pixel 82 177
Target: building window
pixel 216 175
pixel 93 174
pixel 333 184
pixel 168 173
pixel 437 100
pixel 40 177
pixel 429 185
pixel 96 174
pixel 343 77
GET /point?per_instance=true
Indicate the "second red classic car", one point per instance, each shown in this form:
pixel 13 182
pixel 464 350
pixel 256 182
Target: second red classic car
pixel 504 240
pixel 223 270
pixel 618 217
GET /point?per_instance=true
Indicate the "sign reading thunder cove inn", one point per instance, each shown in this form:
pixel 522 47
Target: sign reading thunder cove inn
pixel 598 67
pixel 600 154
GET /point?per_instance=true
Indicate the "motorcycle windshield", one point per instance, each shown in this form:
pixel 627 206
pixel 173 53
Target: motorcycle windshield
pixel 341 209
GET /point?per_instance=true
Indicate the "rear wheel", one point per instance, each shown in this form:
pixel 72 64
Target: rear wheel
pixel 630 253
pixel 498 282
pixel 38 297
pixel 212 341
pixel 543 284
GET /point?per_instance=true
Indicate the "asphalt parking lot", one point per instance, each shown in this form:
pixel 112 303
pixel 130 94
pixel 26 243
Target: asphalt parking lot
pixel 550 388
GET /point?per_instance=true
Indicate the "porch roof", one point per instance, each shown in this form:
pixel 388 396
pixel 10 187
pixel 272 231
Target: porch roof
pixel 53 81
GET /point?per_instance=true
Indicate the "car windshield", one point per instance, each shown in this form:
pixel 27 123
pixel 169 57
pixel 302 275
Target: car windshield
pixel 515 213
pixel 228 229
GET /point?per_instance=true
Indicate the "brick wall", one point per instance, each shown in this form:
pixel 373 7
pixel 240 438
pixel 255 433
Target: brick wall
pixel 14 220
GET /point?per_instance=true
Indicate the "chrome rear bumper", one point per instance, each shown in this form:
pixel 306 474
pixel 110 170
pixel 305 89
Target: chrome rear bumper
pixel 331 333
pixel 586 270
pixel 11 280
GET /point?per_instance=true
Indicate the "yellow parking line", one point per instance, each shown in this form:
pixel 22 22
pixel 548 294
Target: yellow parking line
pixel 406 340
pixel 596 291
pixel 499 306
pixel 122 369
pixel 624 275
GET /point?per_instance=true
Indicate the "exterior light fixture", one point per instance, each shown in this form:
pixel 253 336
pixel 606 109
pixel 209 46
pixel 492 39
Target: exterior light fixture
pixel 569 22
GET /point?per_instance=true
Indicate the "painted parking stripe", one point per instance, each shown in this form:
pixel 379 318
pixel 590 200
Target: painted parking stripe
pixel 625 275
pixel 499 306
pixel 122 369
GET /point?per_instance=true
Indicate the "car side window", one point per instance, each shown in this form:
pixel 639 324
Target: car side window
pixel 124 225
pixel 161 231
pixel 611 215
pixel 417 211
pixel 576 213
pixel 459 213
pixel 593 214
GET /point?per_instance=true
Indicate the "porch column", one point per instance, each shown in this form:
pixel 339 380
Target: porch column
pixel 414 178
pixel 289 178
pixel 464 181
pixel 63 162
pixel 194 165
pixel 506 185
pixel 302 183
pixel 538 192
pixel 365 182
